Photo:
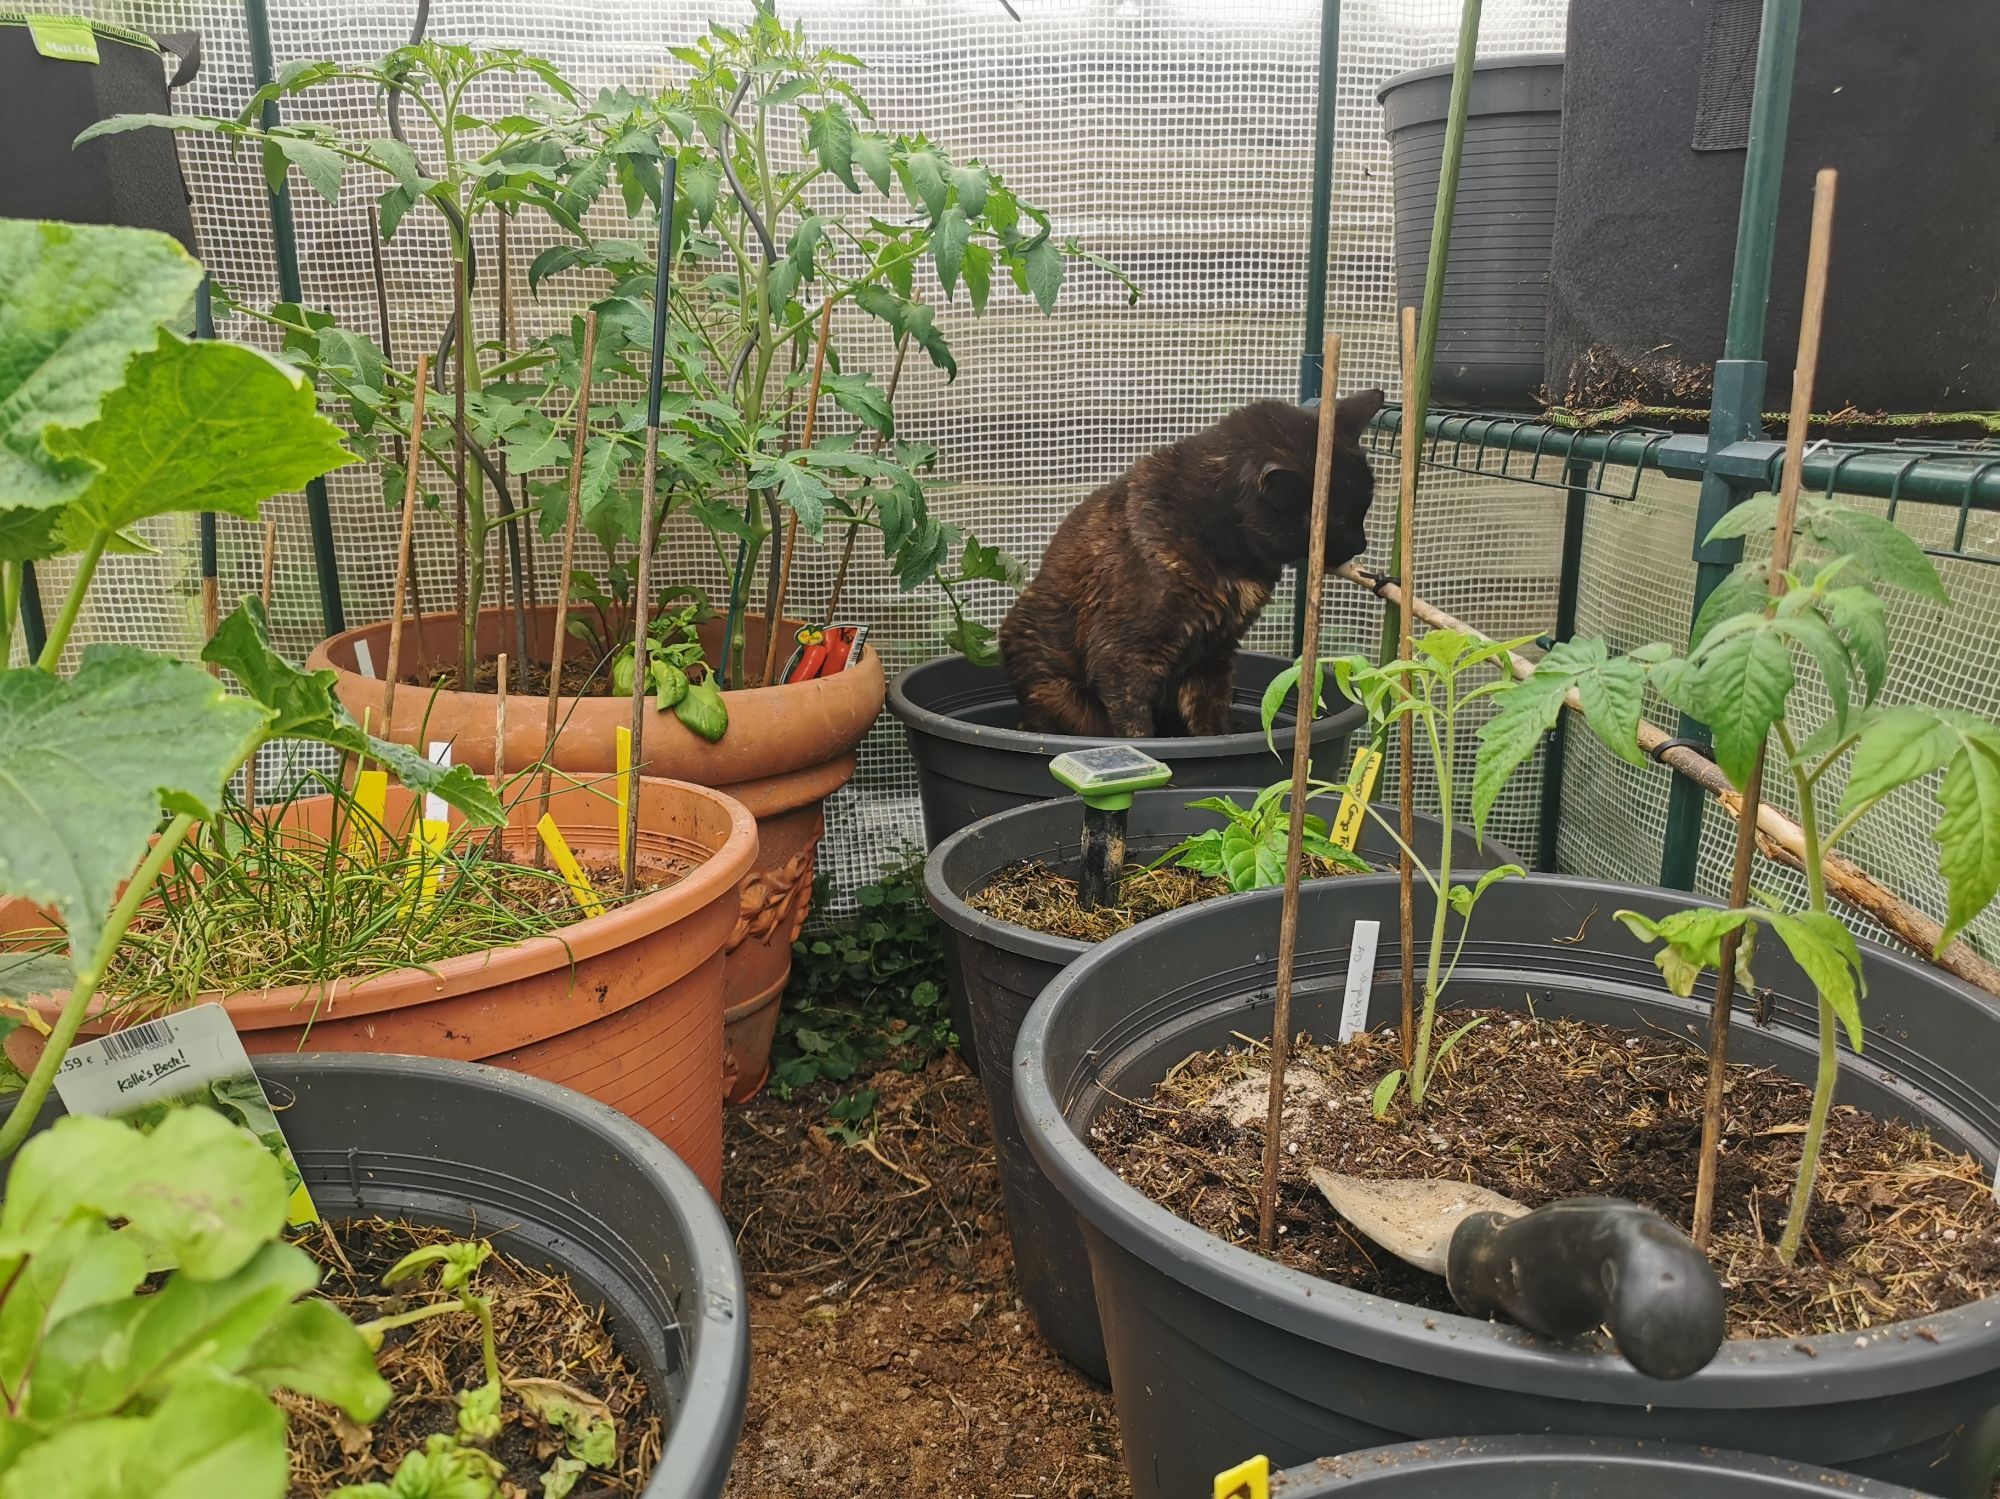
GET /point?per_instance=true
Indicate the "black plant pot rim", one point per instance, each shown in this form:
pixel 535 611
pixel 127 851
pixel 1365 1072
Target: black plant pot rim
pixel 1484 65
pixel 1029 742
pixel 1896 1358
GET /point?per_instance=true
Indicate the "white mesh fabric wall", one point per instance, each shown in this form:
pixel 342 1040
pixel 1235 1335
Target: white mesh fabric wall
pixel 1175 138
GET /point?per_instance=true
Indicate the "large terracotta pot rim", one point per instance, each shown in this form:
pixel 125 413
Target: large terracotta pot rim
pixel 713 878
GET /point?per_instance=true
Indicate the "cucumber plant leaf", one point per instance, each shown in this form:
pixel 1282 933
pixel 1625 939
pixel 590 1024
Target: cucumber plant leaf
pixel 86 765
pixel 76 302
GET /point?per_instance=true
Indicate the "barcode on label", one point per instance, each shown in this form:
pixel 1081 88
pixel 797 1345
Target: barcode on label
pixel 122 1045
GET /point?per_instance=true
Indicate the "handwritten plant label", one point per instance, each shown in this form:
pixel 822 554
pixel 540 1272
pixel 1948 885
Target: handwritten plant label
pixel 1354 801
pixel 192 1058
pixel 1360 979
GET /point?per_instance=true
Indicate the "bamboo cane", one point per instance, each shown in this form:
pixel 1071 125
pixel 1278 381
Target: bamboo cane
pixel 776 613
pixel 393 667
pixel 264 596
pixel 1288 923
pixel 568 561
pixel 1406 569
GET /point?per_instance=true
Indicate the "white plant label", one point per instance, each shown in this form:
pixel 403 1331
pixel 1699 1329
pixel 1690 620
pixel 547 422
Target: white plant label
pixel 364 658
pixel 434 806
pixel 1360 979
pixel 191 1058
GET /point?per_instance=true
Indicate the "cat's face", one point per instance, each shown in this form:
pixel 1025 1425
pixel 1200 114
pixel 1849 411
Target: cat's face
pixel 1278 515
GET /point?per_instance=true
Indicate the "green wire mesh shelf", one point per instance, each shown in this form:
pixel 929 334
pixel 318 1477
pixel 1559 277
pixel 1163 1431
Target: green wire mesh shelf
pixel 1612 463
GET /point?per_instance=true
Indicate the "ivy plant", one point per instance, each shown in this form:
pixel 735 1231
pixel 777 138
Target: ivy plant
pixel 1740 675
pixel 1430 696
pixel 1248 850
pixel 111 419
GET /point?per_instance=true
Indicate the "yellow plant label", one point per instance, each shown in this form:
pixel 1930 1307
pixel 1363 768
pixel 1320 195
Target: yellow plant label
pixel 371 811
pixel 427 845
pixel 1353 802
pixel 559 850
pixel 624 785
pixel 1250 1480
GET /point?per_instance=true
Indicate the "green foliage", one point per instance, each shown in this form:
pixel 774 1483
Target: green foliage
pixel 113 1393
pixel 787 119
pixel 1738 675
pixel 1429 696
pixel 1248 850
pixel 442 1468
pixel 864 990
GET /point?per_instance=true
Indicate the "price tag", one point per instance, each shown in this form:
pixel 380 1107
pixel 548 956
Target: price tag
pixel 1354 801
pixel 1360 979
pixel 191 1058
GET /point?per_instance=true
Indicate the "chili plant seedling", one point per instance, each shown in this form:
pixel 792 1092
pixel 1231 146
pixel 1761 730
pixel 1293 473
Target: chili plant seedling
pixel 1248 850
pixel 1427 695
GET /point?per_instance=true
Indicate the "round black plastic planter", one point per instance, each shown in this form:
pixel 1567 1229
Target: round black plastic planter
pixel 1492 331
pixel 973 762
pixel 1216 1352
pixel 1003 970
pixel 1537 1467
pixel 554 1179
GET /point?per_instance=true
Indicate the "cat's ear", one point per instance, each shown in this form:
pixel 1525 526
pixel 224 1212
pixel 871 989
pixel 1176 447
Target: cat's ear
pixel 1352 415
pixel 1282 482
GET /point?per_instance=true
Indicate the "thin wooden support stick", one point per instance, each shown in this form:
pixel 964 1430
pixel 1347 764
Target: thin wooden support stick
pixel 1406 571
pixel 568 561
pixel 775 615
pixel 458 302
pixel 511 561
pixel 393 667
pixel 398 448
pixel 1804 371
pixel 499 736
pixel 649 523
pixel 264 597
pixel 1288 922
pixel 847 547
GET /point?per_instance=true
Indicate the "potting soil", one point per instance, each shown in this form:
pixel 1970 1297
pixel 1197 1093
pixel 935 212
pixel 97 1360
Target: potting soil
pixel 1031 894
pixel 543 1330
pixel 1540 1109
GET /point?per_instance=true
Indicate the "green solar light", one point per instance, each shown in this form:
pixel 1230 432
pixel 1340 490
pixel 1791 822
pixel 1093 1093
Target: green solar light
pixel 1105 778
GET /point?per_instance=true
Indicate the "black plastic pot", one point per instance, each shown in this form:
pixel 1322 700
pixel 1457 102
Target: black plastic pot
pixel 1537 1467
pixel 972 761
pixel 1003 969
pixel 559 1181
pixel 1491 331
pixel 1216 1352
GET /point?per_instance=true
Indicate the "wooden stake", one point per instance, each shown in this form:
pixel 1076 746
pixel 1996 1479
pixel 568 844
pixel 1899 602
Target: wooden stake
pixel 393 667
pixel 499 733
pixel 1406 571
pixel 649 521
pixel 1819 247
pixel 264 596
pixel 568 554
pixel 847 547
pixel 775 615
pixel 1313 577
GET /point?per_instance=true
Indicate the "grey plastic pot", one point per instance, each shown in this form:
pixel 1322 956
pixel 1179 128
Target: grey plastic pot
pixel 1003 969
pixel 1492 330
pixel 1216 1352
pixel 972 761
pixel 1538 1467
pixel 555 1179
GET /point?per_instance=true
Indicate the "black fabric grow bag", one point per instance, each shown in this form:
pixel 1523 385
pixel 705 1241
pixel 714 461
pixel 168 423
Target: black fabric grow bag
pixel 1900 98
pixel 1216 1353
pixel 1004 968
pixel 132 178
pixel 559 1181
pixel 1537 1467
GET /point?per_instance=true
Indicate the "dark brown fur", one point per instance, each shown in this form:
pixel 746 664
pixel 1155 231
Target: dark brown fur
pixel 1131 626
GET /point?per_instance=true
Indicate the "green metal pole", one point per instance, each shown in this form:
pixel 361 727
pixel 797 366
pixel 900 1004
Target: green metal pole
pixel 1427 322
pixel 1575 507
pixel 1735 411
pixel 284 240
pixel 1319 249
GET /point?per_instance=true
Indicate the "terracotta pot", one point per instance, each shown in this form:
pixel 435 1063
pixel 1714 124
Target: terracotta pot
pixel 788 748
pixel 625 1007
